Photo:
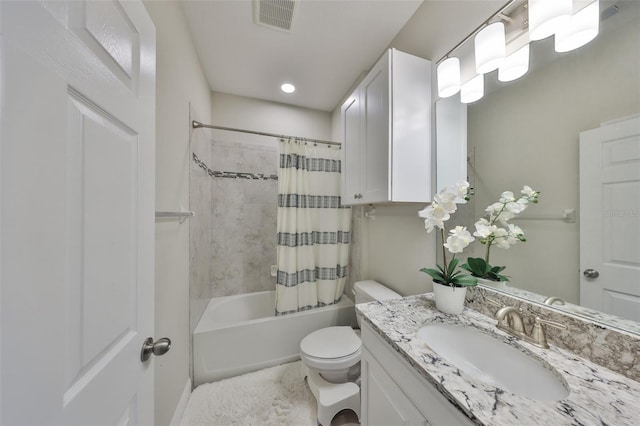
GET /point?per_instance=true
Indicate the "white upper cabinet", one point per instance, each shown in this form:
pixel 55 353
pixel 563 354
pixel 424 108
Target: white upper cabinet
pixel 387 133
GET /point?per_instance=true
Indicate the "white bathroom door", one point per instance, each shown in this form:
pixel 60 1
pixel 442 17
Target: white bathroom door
pixel 610 218
pixel 77 218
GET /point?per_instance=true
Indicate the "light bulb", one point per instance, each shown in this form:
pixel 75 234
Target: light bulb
pixel 515 65
pixel 472 90
pixel 288 88
pixel 547 16
pixel 490 47
pixel 448 77
pixel 581 29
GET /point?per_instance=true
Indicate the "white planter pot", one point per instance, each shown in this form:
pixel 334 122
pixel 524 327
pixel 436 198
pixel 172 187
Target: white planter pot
pixel 449 300
pixel 494 284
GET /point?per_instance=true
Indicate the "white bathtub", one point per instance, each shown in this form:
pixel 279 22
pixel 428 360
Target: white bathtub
pixel 240 334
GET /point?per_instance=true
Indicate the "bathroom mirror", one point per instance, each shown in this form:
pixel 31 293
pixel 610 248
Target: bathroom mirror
pixel 527 133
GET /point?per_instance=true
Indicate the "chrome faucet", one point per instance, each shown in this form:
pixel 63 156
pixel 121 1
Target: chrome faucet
pixel 510 321
pixel 553 299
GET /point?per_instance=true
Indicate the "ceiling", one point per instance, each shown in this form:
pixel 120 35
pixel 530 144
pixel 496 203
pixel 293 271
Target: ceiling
pixel 332 43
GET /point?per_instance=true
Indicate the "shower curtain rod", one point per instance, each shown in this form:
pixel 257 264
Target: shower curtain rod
pixel 196 125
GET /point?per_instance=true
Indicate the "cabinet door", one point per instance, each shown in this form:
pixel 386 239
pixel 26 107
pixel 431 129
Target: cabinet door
pixel 383 402
pixel 351 151
pixel 375 113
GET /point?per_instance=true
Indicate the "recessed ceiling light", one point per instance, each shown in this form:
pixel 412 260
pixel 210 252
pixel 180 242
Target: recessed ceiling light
pixel 288 88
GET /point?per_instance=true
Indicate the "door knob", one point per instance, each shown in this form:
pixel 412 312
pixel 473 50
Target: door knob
pixel 591 273
pixel 159 347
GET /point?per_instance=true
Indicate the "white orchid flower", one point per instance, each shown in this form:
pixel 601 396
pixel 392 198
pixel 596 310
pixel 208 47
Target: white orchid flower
pixel 434 216
pixel 433 222
pixel 502 243
pixel 528 191
pixel 505 217
pixel 507 197
pixel 461 189
pixel 515 207
pixel 484 230
pixel 426 212
pixel 459 239
pixel 512 239
pixel 440 213
pixel 446 200
pixel 500 233
pixel 515 230
pixel 494 208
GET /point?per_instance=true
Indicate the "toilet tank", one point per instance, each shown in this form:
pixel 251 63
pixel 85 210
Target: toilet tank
pixel 369 291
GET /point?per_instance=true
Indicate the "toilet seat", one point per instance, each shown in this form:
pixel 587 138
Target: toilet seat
pixel 331 348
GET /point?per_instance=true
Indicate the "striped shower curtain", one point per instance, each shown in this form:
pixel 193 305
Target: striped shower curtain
pixel 313 228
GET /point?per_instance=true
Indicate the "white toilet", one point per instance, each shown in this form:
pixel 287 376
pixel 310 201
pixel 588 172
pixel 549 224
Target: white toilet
pixel 331 359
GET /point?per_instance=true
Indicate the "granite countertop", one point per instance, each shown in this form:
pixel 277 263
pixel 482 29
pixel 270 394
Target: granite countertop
pixel 596 394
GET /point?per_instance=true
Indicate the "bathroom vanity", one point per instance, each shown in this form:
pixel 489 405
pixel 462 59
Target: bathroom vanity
pixel 404 381
pixel 392 394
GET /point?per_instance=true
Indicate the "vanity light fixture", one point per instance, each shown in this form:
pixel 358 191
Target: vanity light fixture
pixel 472 90
pixel 547 16
pixel 542 17
pixel 581 29
pixel 448 72
pixel 490 47
pixel 288 88
pixel 515 65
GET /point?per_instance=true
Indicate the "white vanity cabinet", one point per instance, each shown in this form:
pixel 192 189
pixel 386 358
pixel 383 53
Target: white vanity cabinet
pixel 393 393
pixel 387 133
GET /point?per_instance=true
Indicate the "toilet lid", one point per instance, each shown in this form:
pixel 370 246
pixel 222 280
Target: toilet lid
pixel 331 342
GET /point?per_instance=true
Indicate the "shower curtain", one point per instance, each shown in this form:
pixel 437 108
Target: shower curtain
pixel 313 228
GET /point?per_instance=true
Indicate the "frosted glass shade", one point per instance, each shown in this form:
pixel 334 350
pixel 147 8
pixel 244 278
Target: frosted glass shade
pixel 582 28
pixel 489 47
pixel 472 90
pixel 547 16
pixel 448 77
pixel 515 65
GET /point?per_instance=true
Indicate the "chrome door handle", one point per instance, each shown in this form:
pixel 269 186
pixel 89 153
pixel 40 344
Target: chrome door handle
pixel 591 273
pixel 159 347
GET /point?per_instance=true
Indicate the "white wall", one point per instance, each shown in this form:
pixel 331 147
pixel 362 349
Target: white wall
pixel 264 116
pixel 180 81
pixel 397 247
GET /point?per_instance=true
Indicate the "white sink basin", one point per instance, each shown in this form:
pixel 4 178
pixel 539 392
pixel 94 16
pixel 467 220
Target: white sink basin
pixel 496 363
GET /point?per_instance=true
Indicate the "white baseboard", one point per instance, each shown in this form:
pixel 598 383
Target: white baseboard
pixel 182 404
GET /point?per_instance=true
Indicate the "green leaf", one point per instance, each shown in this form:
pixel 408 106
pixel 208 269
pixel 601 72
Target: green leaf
pixel 466 267
pixel 434 273
pixel 465 280
pixel 452 266
pixel 477 266
pixel 496 269
pixel 497 277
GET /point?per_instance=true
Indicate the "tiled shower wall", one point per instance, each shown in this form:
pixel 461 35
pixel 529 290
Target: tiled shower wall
pixel 234 228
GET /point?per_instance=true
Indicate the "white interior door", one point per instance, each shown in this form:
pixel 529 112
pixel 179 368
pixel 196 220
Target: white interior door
pixel 610 218
pixel 77 217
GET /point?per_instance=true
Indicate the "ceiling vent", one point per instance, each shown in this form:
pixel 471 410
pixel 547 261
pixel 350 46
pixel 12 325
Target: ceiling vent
pixel 276 14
